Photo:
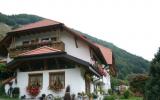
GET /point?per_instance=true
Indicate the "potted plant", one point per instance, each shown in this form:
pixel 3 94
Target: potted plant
pixel 95 96
pixel 90 95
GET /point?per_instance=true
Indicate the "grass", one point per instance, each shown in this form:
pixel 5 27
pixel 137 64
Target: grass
pixel 7 98
pixel 133 98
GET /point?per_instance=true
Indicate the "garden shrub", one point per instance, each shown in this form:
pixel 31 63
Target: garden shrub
pixel 127 94
pixel 110 91
pixel 2 90
pixel 15 92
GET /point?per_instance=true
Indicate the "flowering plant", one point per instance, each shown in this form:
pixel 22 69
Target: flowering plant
pixel 102 71
pixel 33 90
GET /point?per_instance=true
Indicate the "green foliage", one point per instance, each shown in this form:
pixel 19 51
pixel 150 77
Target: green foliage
pixel 16 92
pixel 137 83
pixel 21 19
pixel 111 97
pixel 127 94
pixel 152 90
pixel 2 67
pixel 110 92
pixel 116 82
pixel 2 90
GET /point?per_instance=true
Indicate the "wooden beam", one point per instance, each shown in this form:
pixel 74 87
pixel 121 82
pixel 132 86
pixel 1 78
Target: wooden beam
pixel 76 43
pixel 57 63
pixel 45 63
pixel 29 67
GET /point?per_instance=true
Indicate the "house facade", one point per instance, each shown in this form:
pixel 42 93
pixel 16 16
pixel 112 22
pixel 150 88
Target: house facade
pixel 52 56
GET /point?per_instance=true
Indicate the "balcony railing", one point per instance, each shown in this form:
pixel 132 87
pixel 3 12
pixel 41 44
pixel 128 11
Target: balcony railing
pixel 13 52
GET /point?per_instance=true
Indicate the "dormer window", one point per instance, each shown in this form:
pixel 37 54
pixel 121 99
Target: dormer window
pixel 25 42
pixel 45 40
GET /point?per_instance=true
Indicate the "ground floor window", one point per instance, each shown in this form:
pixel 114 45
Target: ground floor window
pixel 57 80
pixel 36 79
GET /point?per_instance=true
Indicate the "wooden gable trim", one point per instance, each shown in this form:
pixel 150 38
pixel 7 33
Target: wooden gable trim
pixel 76 42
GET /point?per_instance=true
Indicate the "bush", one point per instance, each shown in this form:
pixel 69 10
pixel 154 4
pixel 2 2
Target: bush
pixel 127 94
pixel 2 90
pixel 111 97
pixel 110 91
pixel 15 92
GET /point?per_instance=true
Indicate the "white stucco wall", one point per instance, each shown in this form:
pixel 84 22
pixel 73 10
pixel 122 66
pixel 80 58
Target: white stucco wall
pixel 82 52
pixel 72 77
pixel 106 80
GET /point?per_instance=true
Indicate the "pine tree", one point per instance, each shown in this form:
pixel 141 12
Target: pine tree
pixel 152 91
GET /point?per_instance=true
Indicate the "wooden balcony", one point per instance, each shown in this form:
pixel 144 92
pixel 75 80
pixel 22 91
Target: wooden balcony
pixel 13 52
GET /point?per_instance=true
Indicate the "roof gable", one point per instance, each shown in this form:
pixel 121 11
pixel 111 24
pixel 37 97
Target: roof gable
pixel 42 23
pixel 107 53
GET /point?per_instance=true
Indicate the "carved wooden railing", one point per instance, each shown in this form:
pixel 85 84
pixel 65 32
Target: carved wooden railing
pixel 13 52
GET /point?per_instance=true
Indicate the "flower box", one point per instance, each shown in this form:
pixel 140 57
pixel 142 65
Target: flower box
pixel 33 90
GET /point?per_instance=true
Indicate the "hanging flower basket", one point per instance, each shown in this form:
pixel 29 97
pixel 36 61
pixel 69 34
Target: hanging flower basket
pixel 33 90
pixel 102 71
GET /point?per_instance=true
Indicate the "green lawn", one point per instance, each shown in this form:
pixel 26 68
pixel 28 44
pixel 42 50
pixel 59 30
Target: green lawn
pixel 133 98
pixel 7 98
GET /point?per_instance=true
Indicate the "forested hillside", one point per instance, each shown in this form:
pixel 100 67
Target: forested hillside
pixel 16 20
pixel 126 63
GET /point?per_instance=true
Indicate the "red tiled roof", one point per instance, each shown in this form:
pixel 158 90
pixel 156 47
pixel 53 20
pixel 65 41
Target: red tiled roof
pixel 42 23
pixel 41 50
pixel 107 53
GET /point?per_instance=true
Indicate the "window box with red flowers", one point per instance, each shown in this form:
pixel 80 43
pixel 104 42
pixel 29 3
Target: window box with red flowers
pixel 33 90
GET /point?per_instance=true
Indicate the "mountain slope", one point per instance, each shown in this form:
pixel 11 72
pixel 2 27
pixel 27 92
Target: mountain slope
pixel 20 19
pixel 4 29
pixel 126 63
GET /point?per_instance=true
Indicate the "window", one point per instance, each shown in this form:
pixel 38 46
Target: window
pixel 54 39
pixel 57 80
pixel 45 40
pixel 35 79
pixel 34 41
pixel 25 42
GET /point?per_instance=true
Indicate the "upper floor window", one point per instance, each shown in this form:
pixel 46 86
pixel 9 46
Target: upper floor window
pixel 34 41
pixel 54 39
pixel 45 40
pixel 25 42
